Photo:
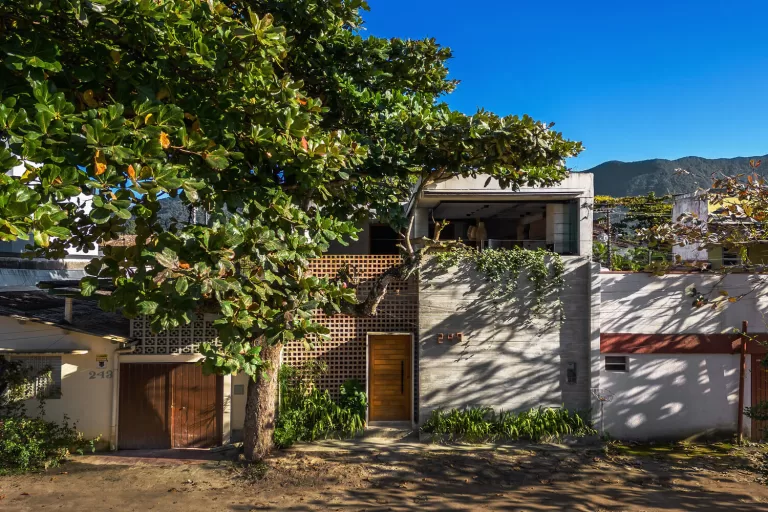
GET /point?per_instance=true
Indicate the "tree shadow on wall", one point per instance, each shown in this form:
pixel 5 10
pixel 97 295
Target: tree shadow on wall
pixel 508 357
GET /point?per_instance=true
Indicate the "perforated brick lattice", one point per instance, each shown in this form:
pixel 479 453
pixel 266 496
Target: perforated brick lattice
pixel 345 352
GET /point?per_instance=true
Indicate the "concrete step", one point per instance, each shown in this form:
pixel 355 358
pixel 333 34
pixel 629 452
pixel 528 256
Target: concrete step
pixel 390 430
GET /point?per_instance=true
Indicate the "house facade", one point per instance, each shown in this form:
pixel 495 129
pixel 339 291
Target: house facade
pixel 436 342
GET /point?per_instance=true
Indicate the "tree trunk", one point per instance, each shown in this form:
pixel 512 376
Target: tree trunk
pixel 261 407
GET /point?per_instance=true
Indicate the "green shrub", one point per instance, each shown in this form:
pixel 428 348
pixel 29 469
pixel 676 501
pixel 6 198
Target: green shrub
pixel 308 413
pixel 30 444
pixel 757 412
pixel 477 424
pixel 352 396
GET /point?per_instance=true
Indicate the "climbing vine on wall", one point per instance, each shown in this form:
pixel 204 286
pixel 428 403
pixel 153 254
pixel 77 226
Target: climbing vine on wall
pixel 504 268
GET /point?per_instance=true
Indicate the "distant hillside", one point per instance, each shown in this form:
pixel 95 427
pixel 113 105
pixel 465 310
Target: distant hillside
pixel 639 178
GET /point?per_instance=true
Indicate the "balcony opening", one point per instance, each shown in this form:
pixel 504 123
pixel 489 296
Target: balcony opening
pixel 531 225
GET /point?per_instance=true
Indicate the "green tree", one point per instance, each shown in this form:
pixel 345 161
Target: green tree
pixel 280 114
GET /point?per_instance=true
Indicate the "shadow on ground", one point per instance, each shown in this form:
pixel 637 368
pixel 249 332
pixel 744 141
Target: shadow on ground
pixel 507 478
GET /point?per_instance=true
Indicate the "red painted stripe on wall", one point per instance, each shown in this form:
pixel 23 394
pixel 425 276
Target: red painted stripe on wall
pixel 632 343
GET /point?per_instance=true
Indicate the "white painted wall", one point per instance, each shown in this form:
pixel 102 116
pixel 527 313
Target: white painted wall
pixel 674 396
pixel 86 389
pixel 647 304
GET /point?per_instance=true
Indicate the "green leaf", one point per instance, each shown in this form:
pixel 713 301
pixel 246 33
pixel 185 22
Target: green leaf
pixel 168 258
pixel 58 231
pixel 147 307
pixel 100 215
pixel 217 159
pixel 182 284
pixel 124 214
pixel 220 285
pixel 41 239
pixel 88 285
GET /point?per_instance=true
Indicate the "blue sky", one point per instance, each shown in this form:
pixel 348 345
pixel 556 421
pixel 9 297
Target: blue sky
pixel 631 80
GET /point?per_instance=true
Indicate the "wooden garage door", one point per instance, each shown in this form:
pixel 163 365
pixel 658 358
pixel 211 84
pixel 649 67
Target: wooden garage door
pixel 389 381
pixel 169 406
pixel 197 410
pixel 759 394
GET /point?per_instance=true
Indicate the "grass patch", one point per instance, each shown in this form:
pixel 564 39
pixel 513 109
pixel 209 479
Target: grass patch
pixel 675 451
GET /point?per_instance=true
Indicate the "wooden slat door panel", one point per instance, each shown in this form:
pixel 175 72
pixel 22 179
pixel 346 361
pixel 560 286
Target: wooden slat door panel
pixel 169 405
pixel 759 394
pixel 197 408
pixel 145 404
pixel 389 379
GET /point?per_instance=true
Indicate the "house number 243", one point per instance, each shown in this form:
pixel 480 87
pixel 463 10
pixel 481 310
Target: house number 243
pixel 107 374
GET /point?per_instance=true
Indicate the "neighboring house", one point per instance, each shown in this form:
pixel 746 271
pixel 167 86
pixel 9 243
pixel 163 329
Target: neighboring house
pixel 77 342
pixel 437 341
pixel 715 216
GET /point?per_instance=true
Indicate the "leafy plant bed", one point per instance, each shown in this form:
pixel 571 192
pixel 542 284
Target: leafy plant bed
pixel 590 440
pixel 308 413
pixel 483 425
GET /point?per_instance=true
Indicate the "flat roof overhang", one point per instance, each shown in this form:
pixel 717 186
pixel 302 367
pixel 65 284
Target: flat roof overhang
pixel 431 198
pixel 42 352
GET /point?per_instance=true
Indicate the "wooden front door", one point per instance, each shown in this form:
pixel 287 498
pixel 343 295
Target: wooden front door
pixel 389 381
pixel 169 405
pixel 759 394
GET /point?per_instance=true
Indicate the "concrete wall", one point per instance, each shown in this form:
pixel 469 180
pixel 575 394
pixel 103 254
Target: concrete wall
pixel 673 396
pixel 238 406
pixel 508 359
pixel 575 181
pixel 576 187
pixel 18 278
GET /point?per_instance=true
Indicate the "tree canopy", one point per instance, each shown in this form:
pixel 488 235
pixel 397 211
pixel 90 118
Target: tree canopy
pixel 280 121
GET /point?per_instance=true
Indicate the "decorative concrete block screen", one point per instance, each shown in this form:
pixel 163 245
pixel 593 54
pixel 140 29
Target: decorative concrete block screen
pixel 183 340
pixel 345 352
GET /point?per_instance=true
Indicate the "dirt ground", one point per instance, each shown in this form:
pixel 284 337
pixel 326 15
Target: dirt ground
pixel 501 479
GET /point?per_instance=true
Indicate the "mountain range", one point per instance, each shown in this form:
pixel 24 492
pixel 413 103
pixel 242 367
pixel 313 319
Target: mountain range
pixel 661 176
